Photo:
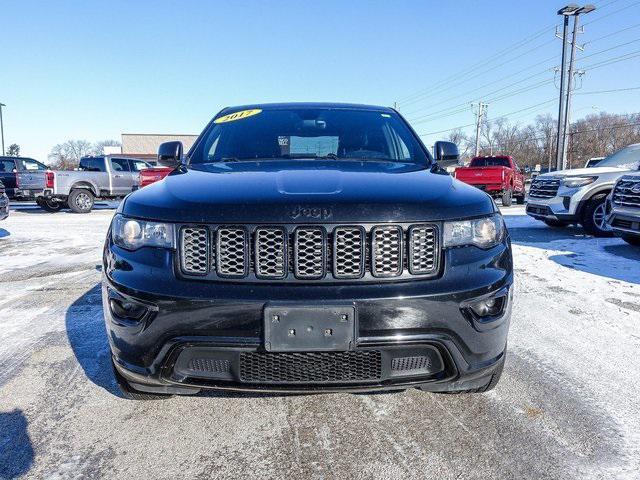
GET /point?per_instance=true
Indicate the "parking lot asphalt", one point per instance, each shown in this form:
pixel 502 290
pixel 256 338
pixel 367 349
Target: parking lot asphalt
pixel 567 405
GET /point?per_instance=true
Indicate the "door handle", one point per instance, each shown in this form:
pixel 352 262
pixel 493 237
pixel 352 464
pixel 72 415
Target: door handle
pixel 117 176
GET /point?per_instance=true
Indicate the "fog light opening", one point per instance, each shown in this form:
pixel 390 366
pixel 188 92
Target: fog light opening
pixel 127 310
pixel 489 307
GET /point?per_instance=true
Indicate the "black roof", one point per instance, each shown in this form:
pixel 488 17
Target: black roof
pixel 332 105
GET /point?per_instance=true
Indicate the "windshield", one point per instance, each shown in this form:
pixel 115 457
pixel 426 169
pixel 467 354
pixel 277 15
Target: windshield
pixel 628 158
pixel 304 133
pixel 489 162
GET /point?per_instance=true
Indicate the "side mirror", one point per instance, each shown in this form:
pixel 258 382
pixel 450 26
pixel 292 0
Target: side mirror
pixel 444 151
pixel 170 154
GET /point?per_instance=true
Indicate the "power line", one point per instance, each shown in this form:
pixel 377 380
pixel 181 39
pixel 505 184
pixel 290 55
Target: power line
pixel 612 13
pixel 501 116
pixel 487 85
pixel 427 118
pixel 449 86
pixel 609 49
pixel 489 59
pixel 621 58
pixel 608 91
pixel 612 34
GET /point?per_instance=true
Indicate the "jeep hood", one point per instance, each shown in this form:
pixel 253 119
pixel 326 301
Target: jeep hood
pixel 306 191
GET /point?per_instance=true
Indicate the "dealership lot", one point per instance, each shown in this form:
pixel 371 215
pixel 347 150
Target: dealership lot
pixel 567 405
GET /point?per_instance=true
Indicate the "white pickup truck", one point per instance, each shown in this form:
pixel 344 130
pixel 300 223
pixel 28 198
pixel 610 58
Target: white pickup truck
pixel 106 177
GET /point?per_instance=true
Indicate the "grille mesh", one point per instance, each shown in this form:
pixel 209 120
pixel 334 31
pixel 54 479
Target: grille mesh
pixel 387 251
pixel 410 363
pixel 270 253
pixel 627 192
pixel 544 187
pixel 209 365
pixel 195 255
pixel 348 252
pixel 231 252
pixel 422 249
pixel 311 367
pixel 309 253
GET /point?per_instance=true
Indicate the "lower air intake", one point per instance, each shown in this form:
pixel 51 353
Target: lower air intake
pixel 311 367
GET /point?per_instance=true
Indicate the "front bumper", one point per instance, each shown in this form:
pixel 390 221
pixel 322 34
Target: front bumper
pixel 563 207
pixel 624 220
pixel 200 334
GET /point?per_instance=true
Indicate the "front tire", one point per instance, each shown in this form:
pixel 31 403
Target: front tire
pixel 631 240
pixel 49 205
pixel 507 198
pixel 81 200
pixel 520 199
pixel 593 216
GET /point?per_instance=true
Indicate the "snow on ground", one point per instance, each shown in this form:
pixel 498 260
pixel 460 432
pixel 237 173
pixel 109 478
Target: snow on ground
pixel 567 405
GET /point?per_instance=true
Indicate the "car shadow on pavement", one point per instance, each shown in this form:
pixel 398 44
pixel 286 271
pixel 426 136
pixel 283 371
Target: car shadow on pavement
pixel 16 449
pixel 4 233
pixel 87 336
pixel 573 248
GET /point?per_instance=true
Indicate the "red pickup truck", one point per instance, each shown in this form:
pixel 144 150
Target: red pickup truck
pixel 499 176
pixel 153 175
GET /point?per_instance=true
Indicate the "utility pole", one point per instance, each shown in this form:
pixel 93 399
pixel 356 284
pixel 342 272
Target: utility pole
pixel 570 81
pixel 479 114
pixel 565 12
pixel 2 127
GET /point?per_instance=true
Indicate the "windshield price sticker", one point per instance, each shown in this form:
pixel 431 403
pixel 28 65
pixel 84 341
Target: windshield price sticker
pixel 232 117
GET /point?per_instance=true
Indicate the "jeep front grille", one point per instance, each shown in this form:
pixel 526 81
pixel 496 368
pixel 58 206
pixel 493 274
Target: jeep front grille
pixel 544 187
pixel 195 253
pixel 386 251
pixel 310 252
pixel 627 192
pixel 231 252
pixel 271 252
pixel 348 252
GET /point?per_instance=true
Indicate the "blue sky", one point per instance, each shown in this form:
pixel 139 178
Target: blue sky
pixel 93 70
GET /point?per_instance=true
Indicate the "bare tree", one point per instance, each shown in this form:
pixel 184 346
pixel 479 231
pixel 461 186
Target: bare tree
pixel 67 155
pixel 463 142
pixel 98 147
pixel 14 150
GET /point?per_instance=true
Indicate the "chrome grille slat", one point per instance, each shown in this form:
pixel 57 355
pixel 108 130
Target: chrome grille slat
pixel 386 255
pixel 348 252
pixel 544 188
pixel 270 253
pixel 422 248
pixel 309 252
pixel 195 250
pixel 623 193
pixel 232 252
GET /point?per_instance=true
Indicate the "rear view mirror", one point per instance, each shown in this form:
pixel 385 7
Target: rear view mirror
pixel 170 154
pixel 446 151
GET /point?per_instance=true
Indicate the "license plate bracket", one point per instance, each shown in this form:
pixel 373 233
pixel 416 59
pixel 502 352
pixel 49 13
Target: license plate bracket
pixel 309 329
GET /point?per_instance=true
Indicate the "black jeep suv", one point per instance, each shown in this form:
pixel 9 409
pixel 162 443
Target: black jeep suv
pixel 305 248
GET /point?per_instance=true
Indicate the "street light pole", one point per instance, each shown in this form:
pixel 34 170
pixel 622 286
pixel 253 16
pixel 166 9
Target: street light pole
pixel 2 127
pixel 567 115
pixel 565 12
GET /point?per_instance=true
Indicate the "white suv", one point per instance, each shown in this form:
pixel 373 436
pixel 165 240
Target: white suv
pixel 578 196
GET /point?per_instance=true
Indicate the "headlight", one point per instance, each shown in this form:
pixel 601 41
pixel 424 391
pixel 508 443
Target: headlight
pixel 484 232
pixel 573 182
pixel 133 234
